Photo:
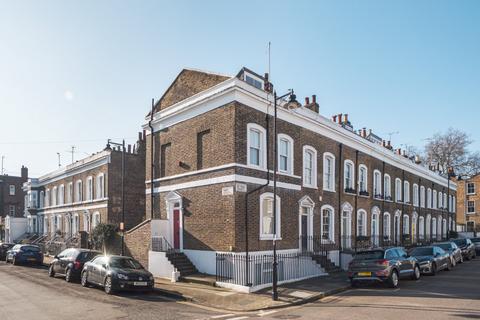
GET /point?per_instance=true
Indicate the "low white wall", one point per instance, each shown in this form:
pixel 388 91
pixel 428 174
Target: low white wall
pixel 204 261
pixel 159 265
pixel 14 228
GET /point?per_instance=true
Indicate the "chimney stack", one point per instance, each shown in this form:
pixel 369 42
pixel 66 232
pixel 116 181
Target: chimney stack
pixel 389 145
pixel 129 148
pixel 384 144
pixel 314 98
pixel 307 101
pixel 24 172
pixel 399 151
pixel 364 132
pixel 339 118
pixel 345 118
pixel 417 159
pixel 334 118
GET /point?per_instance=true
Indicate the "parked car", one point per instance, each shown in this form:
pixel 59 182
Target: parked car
pixel 383 265
pixel 69 263
pixel 476 243
pixel 453 250
pixel 467 247
pixel 4 247
pixel 24 253
pixel 116 273
pixel 432 259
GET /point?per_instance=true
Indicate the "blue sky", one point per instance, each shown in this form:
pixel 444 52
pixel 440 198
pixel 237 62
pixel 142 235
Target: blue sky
pixel 79 72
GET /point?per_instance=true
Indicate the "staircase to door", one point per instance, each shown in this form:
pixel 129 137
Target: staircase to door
pixel 181 262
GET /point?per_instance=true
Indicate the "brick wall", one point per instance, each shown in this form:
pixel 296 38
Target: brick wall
pixel 137 242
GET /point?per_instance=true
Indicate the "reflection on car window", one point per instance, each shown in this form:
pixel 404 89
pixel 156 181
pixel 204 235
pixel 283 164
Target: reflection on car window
pixel 390 254
pixel 125 263
pixel 422 252
pixel 31 248
pixel 369 255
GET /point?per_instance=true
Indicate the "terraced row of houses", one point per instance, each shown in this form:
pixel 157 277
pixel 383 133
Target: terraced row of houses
pixel 200 194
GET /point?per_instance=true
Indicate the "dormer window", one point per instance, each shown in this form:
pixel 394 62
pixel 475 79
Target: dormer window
pixel 254 81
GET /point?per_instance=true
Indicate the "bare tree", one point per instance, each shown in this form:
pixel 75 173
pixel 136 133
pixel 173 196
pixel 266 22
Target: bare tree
pixel 450 150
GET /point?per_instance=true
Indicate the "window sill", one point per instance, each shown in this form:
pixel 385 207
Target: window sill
pixel 471 213
pixel 329 190
pixel 310 187
pixel 362 196
pixel 269 238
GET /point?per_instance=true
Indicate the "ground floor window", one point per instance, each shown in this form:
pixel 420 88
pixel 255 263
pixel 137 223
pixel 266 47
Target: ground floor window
pixel 386 226
pixel 361 223
pixel 267 223
pixel 375 228
pixel 327 220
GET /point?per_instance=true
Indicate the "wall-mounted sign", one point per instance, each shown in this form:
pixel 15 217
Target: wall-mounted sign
pixel 227 191
pixel 240 187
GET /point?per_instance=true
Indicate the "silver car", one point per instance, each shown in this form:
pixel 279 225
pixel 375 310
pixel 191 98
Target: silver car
pixel 476 242
pixel 453 250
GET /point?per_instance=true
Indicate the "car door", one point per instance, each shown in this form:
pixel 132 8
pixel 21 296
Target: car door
pixel 98 267
pixel 93 270
pixel 57 264
pixel 405 263
pixel 392 256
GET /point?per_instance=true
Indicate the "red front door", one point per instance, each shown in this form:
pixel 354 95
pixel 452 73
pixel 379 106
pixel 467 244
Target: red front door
pixel 176 229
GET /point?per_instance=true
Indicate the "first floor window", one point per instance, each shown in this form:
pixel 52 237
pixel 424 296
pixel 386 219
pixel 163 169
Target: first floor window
pixel 471 206
pixel 12 190
pixel 309 167
pixel 267 223
pixel 328 172
pixel 11 210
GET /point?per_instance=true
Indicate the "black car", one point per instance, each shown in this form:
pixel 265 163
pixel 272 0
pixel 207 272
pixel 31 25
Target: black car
pixel 432 259
pixel 467 247
pixel 69 263
pixel 4 247
pixel 24 253
pixel 383 265
pixel 116 273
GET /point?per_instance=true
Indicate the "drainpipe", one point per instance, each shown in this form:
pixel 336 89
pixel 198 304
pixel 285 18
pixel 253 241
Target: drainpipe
pixel 356 201
pixel 380 217
pixel 152 175
pixel 340 153
pixel 247 271
pixel 403 208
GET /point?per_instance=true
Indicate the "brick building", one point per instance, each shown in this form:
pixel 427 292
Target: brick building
pixel 468 204
pixel 72 200
pixel 211 187
pixel 11 194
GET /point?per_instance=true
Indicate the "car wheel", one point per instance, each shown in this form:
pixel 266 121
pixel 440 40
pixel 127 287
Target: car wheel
pixel 68 275
pixel 353 283
pixel 6 259
pixel 108 287
pixel 14 261
pixel 84 279
pixel 454 262
pixel 449 265
pixel 393 279
pixel 434 269
pixel 51 272
pixel 416 273
pixel 461 259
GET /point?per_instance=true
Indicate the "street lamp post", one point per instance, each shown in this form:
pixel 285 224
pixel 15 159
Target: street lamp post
pixel 292 102
pixel 122 223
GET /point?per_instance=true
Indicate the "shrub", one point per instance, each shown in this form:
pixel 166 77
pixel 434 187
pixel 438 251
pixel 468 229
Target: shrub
pixel 103 236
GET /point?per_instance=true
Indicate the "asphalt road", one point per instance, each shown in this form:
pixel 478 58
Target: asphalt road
pixel 28 293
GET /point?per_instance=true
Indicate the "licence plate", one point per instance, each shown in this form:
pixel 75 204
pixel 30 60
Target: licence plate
pixel 32 259
pixel 364 274
pixel 137 283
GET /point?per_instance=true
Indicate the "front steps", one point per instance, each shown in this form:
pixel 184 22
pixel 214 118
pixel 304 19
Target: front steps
pixel 181 262
pixel 326 263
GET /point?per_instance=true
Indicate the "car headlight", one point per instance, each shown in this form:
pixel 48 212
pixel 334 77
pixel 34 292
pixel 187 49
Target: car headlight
pixel 122 276
pixel 151 278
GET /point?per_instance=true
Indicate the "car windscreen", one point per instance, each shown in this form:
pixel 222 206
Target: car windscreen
pixel 369 255
pixel 444 246
pixel 460 242
pixel 422 252
pixel 125 263
pixel 30 248
pixel 87 256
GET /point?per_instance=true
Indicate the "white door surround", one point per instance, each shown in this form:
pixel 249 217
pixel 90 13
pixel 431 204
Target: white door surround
pixel 306 206
pixel 174 201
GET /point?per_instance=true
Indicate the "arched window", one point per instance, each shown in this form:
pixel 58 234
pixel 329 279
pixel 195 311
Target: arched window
pixel 75 224
pixel 406 192
pixel 89 188
pixel 42 199
pixel 100 186
pixel 415 194
pixel 328 172
pixel 414 227
pixel 54 195
pixel 327 223
pixel 396 226
pixel 386 227
pixel 398 190
pixel 346 226
pixel 377 184
pixel 406 224
pixel 61 194
pixel 434 202
pixel 375 224
pixel 362 179
pixel 440 200
pixel 421 228
pixel 387 187
pixel 444 228
pixel 349 176
pixel 95 219
pixel 434 228
pixel 78 191
pixel 429 198
pixel 256 146
pixel 422 196
pixel 267 219
pixel 428 227
pixel 309 167
pixel 439 227
pixel 362 223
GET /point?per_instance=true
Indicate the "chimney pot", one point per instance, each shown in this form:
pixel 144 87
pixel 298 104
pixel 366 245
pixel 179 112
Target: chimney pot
pixel 345 116
pixel 364 132
pixel 307 101
pixel 339 118
pixel 314 98
pixel 334 118
pixel 129 148
pixel 417 159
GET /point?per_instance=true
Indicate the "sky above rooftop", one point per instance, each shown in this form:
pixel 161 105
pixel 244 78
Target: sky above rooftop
pixel 75 73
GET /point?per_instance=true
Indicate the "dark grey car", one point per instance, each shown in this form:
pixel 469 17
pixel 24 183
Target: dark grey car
pixel 467 247
pixel 383 265
pixel 432 259
pixel 476 243
pixel 453 250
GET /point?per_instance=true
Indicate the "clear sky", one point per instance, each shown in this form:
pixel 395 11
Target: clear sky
pixel 80 72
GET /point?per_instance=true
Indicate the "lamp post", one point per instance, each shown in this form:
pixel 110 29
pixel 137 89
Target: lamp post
pixel 291 103
pixel 450 174
pixel 122 223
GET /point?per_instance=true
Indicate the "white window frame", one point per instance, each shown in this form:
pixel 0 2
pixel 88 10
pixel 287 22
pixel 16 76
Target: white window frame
pixel 428 226
pixel 70 192
pixel 468 188
pixel 375 225
pixel 406 224
pixel 387 227
pixel 468 207
pixel 54 195
pixel 361 168
pixel 78 191
pixel 398 190
pixel 440 200
pixel 47 198
pixel 96 219
pixel 11 190
pixel 406 191
pixel 86 222
pixel 413 227
pixel 422 196
pixel 421 228
pixel 415 194
pixel 326 187
pixel 377 184
pixel 263 144
pixel 313 183
pixel 61 195
pixel 434 198
pixel 289 140
pixel 387 187
pixel 100 186
pixel 351 184
pixel 429 198
pixel 89 189
pixel 42 199
pixel 331 227
pixel 362 219
pixel 264 236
